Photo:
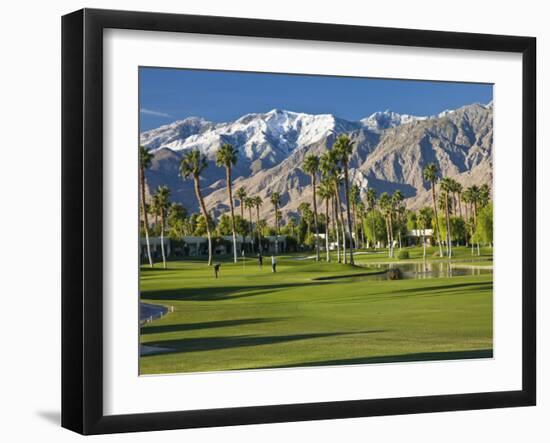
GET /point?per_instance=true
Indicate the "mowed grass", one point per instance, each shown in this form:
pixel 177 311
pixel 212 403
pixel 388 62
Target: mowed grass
pixel 252 318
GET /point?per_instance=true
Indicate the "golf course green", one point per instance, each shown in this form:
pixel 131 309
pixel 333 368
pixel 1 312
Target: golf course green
pixel 251 318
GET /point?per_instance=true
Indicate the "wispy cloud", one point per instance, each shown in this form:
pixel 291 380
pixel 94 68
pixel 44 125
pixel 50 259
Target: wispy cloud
pixel 155 113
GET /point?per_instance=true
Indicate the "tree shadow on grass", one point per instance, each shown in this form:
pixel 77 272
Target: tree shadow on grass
pixel 159 329
pixel 216 343
pixel 213 293
pixel 430 291
pixel 402 358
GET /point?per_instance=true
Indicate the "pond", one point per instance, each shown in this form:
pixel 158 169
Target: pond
pixel 419 270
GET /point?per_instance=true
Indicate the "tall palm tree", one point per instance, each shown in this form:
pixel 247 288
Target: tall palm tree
pixel 354 195
pixel 331 173
pixel 325 192
pixel 371 202
pixel 385 204
pixel 258 202
pixel 458 190
pixel 226 157
pixel 344 149
pixel 447 187
pixel 275 201
pixel 430 174
pixel 145 158
pixel 241 196
pixel 249 203
pixel 163 201
pixel 192 165
pixel 311 167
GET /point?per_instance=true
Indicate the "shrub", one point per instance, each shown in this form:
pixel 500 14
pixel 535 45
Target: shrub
pixel 403 255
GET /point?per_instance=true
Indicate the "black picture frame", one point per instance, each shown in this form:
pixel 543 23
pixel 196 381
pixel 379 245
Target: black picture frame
pixel 82 259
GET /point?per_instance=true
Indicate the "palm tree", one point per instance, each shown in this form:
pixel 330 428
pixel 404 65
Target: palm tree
pixel 425 219
pixel 361 214
pixel 385 204
pixel 241 196
pixel 331 173
pixel 458 190
pixel 399 208
pixel 311 167
pixel 145 158
pixel 249 202
pixel 226 157
pixel 354 195
pixel 430 175
pixel 475 195
pixel 162 199
pixel 447 187
pixel 344 149
pixel 275 201
pixel 325 192
pixel 192 165
pixel 371 201
pixel 258 202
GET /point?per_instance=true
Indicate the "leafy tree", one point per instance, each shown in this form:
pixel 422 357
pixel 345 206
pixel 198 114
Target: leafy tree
pixel 177 216
pixel 145 158
pixel 374 225
pixel 192 165
pixel 484 229
pixel 224 225
pixel 249 203
pixel 430 174
pixel 226 157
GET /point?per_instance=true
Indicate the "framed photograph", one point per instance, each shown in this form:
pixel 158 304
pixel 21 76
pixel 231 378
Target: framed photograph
pixel 269 221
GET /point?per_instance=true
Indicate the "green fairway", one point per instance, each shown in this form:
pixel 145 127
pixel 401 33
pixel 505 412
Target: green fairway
pixel 252 318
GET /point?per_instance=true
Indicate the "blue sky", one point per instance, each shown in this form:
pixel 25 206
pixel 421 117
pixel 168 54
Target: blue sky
pixel 173 94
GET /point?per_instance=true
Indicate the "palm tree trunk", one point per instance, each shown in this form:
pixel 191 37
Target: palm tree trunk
pixel 231 206
pixel 388 235
pixel 449 246
pixel 326 229
pixel 373 230
pixel 162 239
pixel 276 230
pixel 391 235
pixel 346 190
pixel 355 233
pixel 145 221
pixel 437 231
pixel 314 182
pixel 251 230
pixel 205 215
pixel 258 229
pixel 336 229
pixel 424 243
pixel 340 216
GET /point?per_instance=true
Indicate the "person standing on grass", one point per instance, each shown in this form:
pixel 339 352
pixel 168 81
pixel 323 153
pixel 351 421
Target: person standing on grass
pixel 273 264
pixel 260 260
pixel 217 269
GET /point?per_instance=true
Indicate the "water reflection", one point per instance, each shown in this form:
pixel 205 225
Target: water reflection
pixel 421 270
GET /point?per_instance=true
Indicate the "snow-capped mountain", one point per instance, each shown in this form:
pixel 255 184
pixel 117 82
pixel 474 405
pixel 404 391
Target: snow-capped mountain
pixel 388 119
pixel 268 137
pixel 390 152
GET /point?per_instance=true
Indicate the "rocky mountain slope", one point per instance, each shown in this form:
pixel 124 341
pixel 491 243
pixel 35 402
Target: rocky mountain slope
pixel 390 152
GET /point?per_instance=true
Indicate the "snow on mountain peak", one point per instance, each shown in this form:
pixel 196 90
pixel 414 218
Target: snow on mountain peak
pixel 388 119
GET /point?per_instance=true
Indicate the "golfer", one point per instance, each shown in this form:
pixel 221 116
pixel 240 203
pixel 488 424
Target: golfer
pixel 273 264
pixel 260 259
pixel 217 269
